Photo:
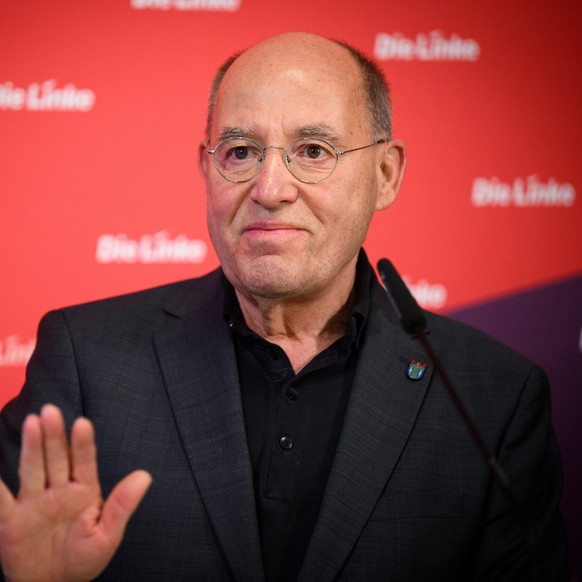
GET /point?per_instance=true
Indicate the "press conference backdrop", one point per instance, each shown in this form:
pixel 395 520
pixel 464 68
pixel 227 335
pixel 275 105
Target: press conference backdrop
pixel 102 107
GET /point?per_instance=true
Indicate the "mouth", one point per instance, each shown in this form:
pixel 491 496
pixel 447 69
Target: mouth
pixel 272 237
pixel 271 231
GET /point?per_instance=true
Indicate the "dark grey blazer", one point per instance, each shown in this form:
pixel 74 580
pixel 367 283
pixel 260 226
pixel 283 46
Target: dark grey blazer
pixel 408 498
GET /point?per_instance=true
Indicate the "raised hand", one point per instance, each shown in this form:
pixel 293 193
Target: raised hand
pixel 58 528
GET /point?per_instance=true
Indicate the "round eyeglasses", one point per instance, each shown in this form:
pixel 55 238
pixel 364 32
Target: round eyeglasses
pixel 239 159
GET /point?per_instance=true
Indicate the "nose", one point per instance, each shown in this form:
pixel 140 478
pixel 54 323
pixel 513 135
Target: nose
pixel 274 183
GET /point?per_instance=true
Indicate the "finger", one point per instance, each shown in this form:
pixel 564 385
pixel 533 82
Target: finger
pixel 122 502
pixel 6 501
pixel 31 468
pixel 56 449
pixel 83 453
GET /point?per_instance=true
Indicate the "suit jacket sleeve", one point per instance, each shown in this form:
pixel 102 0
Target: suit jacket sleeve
pixel 51 377
pixel 530 458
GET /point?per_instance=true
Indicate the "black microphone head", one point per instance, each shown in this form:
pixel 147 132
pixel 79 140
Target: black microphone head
pixel 411 315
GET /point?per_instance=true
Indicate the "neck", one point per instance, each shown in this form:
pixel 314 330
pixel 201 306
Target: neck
pixel 301 327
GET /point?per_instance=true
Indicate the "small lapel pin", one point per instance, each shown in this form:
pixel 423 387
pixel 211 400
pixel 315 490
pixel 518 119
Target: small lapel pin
pixel 415 370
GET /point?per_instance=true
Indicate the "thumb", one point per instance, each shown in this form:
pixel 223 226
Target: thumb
pixel 122 502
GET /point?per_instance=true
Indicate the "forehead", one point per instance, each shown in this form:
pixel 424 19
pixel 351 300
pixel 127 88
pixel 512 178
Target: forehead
pixel 290 83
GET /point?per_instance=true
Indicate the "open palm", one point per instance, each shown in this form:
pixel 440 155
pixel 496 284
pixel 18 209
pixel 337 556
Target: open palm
pixel 58 527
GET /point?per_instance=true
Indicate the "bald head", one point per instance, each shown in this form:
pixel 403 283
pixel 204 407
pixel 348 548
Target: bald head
pixel 302 50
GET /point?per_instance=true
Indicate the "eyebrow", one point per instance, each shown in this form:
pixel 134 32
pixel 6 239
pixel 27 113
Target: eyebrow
pixel 319 131
pixel 314 130
pixel 236 131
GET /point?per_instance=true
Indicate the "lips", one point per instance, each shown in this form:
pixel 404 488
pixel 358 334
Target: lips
pixel 273 228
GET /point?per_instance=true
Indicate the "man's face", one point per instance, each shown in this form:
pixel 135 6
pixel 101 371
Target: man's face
pixel 275 236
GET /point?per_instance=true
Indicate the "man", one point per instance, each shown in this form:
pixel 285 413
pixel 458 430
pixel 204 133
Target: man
pixel 269 400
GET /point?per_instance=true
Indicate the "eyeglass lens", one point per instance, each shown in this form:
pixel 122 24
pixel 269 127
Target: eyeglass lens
pixel 240 160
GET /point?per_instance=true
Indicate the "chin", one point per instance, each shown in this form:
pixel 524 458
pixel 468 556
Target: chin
pixel 272 281
pixel 270 276
pixel 270 288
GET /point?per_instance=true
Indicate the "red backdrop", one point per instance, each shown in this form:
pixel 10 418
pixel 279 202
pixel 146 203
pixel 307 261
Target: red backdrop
pixel 102 106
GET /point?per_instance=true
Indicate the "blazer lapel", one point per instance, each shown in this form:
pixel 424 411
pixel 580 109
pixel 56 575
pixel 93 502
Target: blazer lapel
pixel 383 407
pixel 198 362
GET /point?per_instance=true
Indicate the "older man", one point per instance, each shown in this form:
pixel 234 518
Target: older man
pixel 269 400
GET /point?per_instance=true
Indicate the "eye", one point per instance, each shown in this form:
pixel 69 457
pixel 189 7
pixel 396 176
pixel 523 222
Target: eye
pixel 313 151
pixel 237 151
pixel 309 151
pixel 240 152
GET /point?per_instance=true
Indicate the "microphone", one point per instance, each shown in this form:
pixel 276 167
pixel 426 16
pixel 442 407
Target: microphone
pixel 413 321
pixel 410 314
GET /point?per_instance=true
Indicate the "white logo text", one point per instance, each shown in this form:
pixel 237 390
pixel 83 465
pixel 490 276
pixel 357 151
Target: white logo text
pixel 149 248
pixel 15 353
pixel 433 46
pixel 523 193
pixel 45 96
pixel 226 5
pixel 429 296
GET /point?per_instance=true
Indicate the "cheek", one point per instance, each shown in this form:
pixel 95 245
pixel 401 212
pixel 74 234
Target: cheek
pixel 213 212
pixel 215 209
pixel 352 220
pixel 353 205
pixel 218 220
pixel 222 205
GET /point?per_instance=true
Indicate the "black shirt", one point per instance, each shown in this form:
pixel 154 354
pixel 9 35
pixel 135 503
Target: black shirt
pixel 293 422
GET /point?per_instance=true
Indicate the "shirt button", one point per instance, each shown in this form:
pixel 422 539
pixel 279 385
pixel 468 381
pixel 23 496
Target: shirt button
pixel 291 394
pixel 285 442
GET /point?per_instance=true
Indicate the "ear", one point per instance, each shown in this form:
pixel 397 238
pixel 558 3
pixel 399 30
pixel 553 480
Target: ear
pixel 390 171
pixel 203 159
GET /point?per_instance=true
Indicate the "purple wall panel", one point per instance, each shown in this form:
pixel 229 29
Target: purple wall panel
pixel 545 324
